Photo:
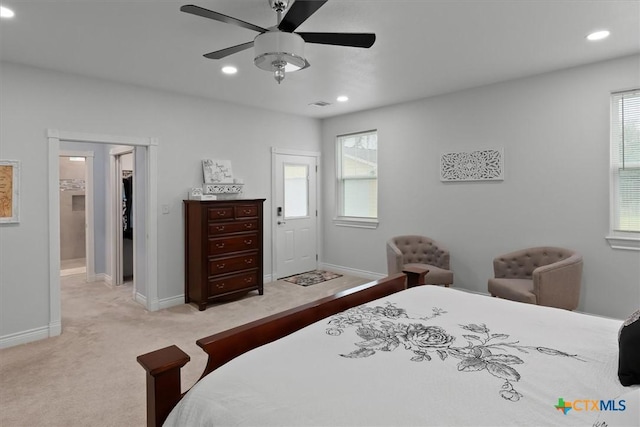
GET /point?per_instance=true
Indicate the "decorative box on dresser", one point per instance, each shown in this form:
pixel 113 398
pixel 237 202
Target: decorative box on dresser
pixel 223 249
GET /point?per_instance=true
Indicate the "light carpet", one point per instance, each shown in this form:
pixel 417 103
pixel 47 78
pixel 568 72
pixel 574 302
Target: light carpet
pixel 89 374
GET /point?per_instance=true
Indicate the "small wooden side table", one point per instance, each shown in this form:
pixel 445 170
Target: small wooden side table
pixel 415 275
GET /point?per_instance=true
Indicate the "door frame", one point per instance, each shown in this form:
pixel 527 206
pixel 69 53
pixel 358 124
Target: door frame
pixel 54 136
pixel 275 152
pixel 88 209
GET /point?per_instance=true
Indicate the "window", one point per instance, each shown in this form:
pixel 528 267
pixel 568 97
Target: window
pixel 625 170
pixel 357 179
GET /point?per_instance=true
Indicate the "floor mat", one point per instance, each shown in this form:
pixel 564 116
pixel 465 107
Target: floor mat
pixel 312 277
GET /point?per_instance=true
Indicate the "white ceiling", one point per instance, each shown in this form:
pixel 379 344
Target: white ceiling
pixel 423 47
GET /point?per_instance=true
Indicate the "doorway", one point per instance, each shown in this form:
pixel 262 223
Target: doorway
pixel 145 244
pixel 77 255
pixel 295 220
pixel 123 175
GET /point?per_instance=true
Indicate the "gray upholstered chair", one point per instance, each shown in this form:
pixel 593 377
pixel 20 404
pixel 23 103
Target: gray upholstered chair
pixel 543 276
pixel 423 252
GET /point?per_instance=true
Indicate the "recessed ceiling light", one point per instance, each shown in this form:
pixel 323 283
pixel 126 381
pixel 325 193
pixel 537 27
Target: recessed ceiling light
pixel 229 69
pixel 342 98
pixel 5 12
pixel 598 35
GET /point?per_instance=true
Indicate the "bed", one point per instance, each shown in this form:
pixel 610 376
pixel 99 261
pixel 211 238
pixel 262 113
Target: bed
pixel 380 355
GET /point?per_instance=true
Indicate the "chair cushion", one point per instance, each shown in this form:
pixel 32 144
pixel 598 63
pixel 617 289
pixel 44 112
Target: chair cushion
pixel 436 275
pixel 629 351
pixel 513 289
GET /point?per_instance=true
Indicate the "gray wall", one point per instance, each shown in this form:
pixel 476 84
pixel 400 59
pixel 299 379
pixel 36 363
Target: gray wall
pixel 189 129
pixel 555 132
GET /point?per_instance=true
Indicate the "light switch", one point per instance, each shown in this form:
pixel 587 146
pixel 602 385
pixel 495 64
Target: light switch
pixel 165 209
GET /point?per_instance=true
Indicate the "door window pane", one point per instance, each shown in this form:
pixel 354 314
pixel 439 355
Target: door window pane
pixel 296 191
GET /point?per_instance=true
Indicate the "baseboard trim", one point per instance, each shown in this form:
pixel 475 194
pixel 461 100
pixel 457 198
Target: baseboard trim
pixel 171 302
pixel 140 299
pixel 162 303
pixel 351 271
pixel 55 328
pixel 24 337
pixel 103 277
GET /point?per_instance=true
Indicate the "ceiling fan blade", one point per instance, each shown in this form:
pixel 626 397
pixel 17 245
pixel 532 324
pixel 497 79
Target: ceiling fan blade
pixel 298 12
pixel 340 39
pixel 219 54
pixel 206 13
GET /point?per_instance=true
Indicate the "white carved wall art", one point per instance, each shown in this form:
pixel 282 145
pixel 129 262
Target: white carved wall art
pixel 479 165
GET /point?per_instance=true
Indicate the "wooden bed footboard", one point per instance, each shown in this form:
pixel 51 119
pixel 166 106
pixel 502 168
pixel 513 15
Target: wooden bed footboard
pixel 163 366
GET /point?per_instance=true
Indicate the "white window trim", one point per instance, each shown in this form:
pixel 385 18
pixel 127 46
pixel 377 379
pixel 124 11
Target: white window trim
pixel 625 240
pixel 621 242
pixel 357 222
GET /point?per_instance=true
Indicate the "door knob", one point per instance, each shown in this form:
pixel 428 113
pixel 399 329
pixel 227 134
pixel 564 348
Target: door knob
pixel 281 222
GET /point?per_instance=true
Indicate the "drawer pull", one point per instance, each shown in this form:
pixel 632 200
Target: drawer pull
pixel 220 228
pixel 219 245
pixel 222 213
pixel 248 261
pixel 247 226
pixel 220 266
pixel 247 211
pixel 248 280
pixel 248 241
pixel 220 285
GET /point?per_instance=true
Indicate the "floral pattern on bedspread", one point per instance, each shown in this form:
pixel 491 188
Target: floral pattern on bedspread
pixel 387 328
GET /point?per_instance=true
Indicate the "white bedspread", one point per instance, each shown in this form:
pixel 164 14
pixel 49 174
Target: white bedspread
pixel 428 356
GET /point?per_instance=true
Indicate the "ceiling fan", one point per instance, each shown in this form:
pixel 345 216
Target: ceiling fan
pixel 278 49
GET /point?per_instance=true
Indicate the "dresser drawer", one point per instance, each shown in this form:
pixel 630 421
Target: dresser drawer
pixel 245 211
pixel 232 227
pixel 223 245
pixel 216 214
pixel 233 283
pixel 237 263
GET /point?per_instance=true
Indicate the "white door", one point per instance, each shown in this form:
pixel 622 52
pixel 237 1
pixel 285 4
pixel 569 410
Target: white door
pixel 296 215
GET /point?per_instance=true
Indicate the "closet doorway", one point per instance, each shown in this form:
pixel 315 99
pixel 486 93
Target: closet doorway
pixel 123 175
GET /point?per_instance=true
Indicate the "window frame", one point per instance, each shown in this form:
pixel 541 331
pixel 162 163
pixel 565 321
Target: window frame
pixel 344 220
pixel 618 239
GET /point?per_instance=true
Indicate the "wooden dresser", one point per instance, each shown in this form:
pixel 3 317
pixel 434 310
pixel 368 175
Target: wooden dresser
pixel 223 249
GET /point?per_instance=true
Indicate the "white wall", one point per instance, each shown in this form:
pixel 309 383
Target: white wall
pixel 555 132
pixel 189 129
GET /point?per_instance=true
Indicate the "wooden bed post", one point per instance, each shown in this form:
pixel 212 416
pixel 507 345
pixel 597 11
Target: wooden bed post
pixel 163 381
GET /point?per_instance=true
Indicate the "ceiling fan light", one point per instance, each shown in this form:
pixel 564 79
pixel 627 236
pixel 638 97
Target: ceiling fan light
pixel 229 69
pixel 5 12
pixel 598 35
pixel 275 49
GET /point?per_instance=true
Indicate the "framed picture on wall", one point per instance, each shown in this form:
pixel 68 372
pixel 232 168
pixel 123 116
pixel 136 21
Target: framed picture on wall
pixel 9 191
